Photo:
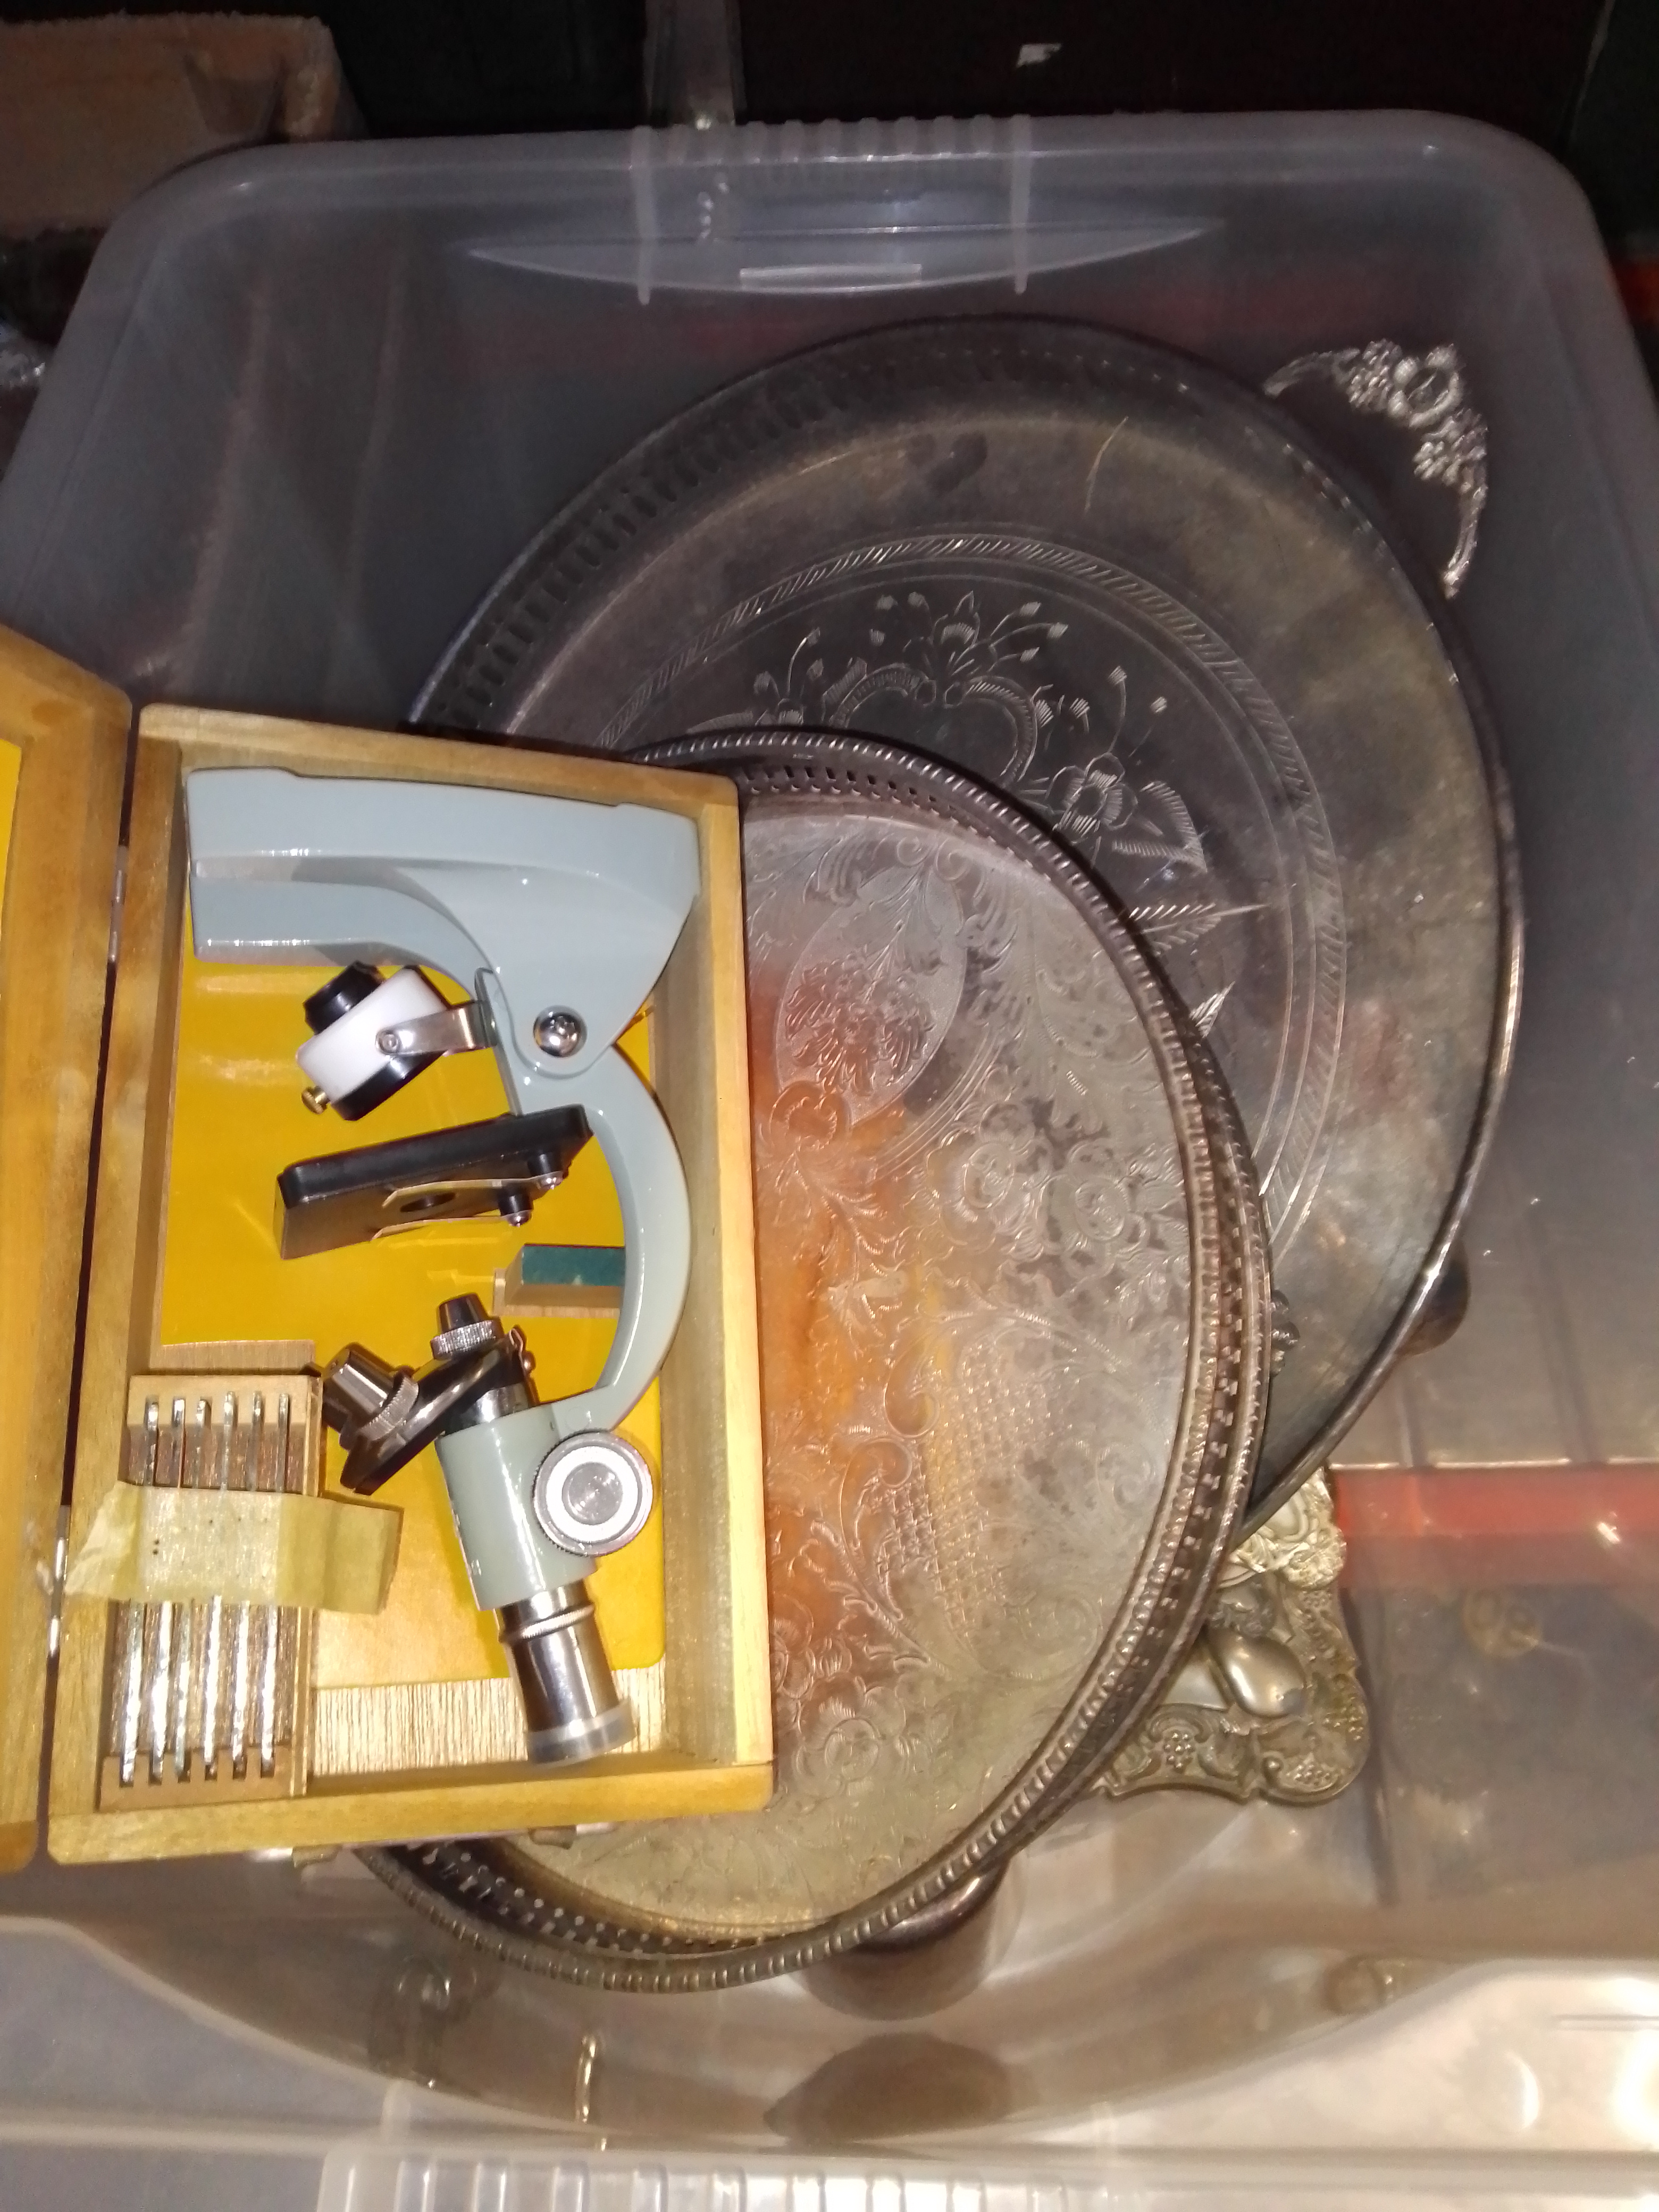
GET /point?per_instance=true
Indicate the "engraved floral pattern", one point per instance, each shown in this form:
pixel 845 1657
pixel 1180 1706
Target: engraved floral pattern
pixel 1136 732
pixel 975 1269
pixel 903 937
pixel 1279 1584
pixel 939 663
pixel 1123 724
pixel 963 661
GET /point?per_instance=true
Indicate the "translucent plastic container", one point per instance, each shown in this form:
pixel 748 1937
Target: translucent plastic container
pixel 309 406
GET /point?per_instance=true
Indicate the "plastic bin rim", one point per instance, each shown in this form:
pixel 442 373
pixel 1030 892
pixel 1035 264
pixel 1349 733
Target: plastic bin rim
pixel 1269 151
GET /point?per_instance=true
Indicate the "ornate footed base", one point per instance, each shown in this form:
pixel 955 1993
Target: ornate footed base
pixel 1269 1703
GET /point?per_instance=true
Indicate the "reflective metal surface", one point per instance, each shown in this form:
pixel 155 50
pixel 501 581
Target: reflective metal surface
pixel 1014 1335
pixel 1269 1703
pixel 571 1707
pixel 1118 589
pixel 1426 396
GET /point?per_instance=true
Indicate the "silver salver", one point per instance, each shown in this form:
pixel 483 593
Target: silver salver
pixel 1015 1337
pixel 1119 589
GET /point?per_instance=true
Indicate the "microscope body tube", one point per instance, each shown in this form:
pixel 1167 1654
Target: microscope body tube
pixel 534 1586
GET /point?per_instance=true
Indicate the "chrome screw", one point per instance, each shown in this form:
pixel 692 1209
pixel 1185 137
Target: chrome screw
pixel 559 1032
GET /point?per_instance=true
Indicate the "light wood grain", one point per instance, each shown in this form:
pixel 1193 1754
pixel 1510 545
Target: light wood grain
pixel 717 1698
pixel 126 1274
pixel 54 941
pixel 714 1738
pixel 262 1356
pixel 198 1792
pixel 411 1727
pixel 215 740
pixel 627 1786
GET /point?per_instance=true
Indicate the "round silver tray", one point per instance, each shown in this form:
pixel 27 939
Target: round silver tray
pixel 1121 590
pixel 1015 1334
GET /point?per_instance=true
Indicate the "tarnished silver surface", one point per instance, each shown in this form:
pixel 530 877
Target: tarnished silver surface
pixel 1229 1728
pixel 1014 1342
pixel 1118 589
pixel 1425 395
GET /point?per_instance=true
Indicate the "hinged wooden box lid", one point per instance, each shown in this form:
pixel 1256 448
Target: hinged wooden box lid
pixel 63 749
pixel 142 1103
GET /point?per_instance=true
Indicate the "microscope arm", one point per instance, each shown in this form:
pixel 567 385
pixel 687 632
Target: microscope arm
pixel 534 903
pixel 645 1166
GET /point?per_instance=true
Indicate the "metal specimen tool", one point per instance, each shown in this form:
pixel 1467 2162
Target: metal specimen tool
pixel 208 1695
pixel 534 1506
pixel 560 915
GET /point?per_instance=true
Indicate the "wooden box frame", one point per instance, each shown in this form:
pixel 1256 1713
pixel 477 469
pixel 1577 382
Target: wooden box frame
pixel 72 732
pixel 716 1753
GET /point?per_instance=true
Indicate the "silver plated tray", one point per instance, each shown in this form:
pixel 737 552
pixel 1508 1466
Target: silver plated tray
pixel 1015 1335
pixel 1121 590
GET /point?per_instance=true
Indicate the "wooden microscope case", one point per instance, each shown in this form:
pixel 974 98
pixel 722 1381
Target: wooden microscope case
pixel 92 947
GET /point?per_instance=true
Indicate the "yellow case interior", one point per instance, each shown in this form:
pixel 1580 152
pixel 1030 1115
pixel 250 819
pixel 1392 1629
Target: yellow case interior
pixel 11 766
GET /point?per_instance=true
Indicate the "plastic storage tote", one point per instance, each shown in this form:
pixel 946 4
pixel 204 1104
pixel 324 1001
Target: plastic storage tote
pixel 310 406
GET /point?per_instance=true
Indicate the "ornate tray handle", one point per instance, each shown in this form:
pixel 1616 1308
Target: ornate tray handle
pixel 1269 1703
pixel 1426 394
